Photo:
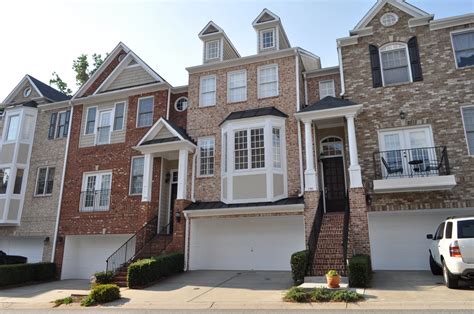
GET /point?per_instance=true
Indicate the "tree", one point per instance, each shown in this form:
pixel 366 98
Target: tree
pixel 83 72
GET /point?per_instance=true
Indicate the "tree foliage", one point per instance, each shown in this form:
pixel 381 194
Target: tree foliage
pixel 60 84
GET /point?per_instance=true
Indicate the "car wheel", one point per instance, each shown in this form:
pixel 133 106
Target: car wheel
pixel 435 269
pixel 450 280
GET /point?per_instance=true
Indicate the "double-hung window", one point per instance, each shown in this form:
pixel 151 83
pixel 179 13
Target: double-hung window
pixel 463 45
pixel 326 88
pixel 145 112
pixel 13 127
pixel 104 127
pixel 212 50
pixel 249 143
pixel 62 123
pixel 468 117
pixel 395 64
pixel 267 81
pixel 95 195
pixel 237 86
pixel 136 181
pixel 267 39
pixel 119 115
pixel 90 120
pixel 208 91
pixel 276 142
pixel 206 156
pixel 45 181
pixel 59 124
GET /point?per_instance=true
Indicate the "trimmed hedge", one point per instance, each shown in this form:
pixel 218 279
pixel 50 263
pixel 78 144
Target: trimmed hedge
pixel 105 293
pixel 148 270
pixel 12 259
pixel 360 271
pixel 21 273
pixel 299 263
pixel 103 277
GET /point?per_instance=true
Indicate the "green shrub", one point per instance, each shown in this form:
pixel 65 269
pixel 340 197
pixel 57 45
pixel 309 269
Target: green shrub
pixel 88 301
pixel 321 295
pixel 296 294
pixel 22 273
pixel 66 300
pixel 299 263
pixel 332 273
pixel 148 270
pixel 105 293
pixel 103 277
pixel 360 271
pixel 345 296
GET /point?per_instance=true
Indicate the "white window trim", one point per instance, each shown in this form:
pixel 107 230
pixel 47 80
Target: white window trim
pixel 206 48
pixel 244 71
pixel 451 35
pixel 249 149
pixel 138 111
pixel 176 103
pixel 424 126
pixel 131 177
pixel 202 78
pixel 124 115
pixel 277 80
pixel 333 88
pixel 84 185
pixel 408 64
pixel 198 174
pixel 46 181
pixel 469 153
pixel 273 30
pixel 392 14
pixel 112 112
pixel 95 120
pixel 7 126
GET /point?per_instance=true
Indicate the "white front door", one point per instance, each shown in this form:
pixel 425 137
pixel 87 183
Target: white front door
pixel 104 128
pixel 97 191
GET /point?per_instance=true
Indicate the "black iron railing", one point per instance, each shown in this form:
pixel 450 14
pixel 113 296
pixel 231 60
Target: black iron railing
pixel 415 162
pixel 345 231
pixel 95 200
pixel 314 234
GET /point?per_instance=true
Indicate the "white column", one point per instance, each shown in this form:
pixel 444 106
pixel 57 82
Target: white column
pixel 311 182
pixel 354 168
pixel 147 177
pixel 182 174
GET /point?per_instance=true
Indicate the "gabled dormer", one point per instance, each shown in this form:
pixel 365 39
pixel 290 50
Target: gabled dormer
pixel 270 32
pixel 217 46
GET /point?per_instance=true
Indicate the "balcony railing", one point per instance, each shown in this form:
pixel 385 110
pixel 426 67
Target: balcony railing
pixel 410 163
pixel 95 200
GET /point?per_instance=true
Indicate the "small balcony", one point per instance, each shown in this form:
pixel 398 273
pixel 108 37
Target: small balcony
pixel 95 201
pixel 413 170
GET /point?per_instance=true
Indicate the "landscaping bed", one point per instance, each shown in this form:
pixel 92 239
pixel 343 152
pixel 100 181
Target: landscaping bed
pixel 99 294
pixel 300 295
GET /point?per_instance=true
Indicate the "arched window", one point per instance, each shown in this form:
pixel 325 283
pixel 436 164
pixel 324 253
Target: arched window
pixel 331 147
pixel 395 64
pixel 181 104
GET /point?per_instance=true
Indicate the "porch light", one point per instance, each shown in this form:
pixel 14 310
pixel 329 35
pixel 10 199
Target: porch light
pixel 402 115
pixel 178 216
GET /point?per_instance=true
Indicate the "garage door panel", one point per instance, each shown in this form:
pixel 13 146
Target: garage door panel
pixel 398 239
pixel 31 248
pixel 258 243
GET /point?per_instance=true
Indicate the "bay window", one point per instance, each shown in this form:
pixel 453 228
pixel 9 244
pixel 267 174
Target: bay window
pixel 13 127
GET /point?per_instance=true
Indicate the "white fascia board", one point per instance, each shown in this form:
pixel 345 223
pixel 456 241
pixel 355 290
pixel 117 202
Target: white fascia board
pixel 417 184
pixel 270 55
pixel 165 147
pixel 366 31
pixel 55 105
pixel 35 87
pixel 452 21
pixel 179 89
pixel 420 21
pixel 347 41
pixel 328 113
pixel 323 72
pixel 156 128
pixel 17 87
pixel 265 10
pixel 296 208
pixel 210 23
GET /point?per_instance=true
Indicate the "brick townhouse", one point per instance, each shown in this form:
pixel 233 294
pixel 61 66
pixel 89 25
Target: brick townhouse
pixel 264 155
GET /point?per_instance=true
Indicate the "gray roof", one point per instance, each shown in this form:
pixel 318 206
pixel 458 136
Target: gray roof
pixel 178 129
pixel 328 102
pixel 244 114
pixel 219 205
pixel 48 91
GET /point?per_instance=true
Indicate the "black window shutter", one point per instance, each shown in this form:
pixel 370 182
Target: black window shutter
pixel 66 123
pixel 414 53
pixel 375 65
pixel 52 125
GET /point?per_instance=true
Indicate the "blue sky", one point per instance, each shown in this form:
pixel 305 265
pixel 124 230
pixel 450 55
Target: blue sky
pixel 40 37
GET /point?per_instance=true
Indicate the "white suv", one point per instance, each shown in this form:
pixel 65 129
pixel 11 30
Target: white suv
pixel 452 250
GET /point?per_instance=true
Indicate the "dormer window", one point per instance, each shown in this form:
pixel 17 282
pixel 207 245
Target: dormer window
pixel 267 39
pixel 212 50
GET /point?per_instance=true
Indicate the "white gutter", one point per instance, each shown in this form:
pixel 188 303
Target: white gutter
pixel 56 229
pixel 186 242
pixel 341 70
pixel 300 147
pixel 168 105
pixel 193 176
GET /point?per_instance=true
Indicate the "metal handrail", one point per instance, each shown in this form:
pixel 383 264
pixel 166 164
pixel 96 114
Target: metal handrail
pixel 314 234
pixel 345 232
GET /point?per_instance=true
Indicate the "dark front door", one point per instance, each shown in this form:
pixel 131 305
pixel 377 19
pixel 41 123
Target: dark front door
pixel 174 193
pixel 334 185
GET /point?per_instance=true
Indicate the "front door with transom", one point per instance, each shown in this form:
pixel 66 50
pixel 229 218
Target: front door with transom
pixel 334 186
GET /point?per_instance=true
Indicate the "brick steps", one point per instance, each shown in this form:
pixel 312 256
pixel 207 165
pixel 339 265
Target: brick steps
pixel 329 252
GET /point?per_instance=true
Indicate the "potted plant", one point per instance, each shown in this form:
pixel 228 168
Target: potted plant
pixel 333 279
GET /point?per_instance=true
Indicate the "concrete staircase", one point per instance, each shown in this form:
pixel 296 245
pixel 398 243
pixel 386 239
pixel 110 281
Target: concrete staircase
pixel 329 252
pixel 120 278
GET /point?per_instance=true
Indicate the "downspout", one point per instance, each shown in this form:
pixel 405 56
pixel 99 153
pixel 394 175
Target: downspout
pixel 305 89
pixel 186 242
pixel 168 104
pixel 193 175
pixel 300 147
pixel 56 229
pixel 341 70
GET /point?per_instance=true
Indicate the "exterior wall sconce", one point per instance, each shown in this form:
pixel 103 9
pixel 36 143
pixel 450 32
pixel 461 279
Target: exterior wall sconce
pixel 402 115
pixel 46 240
pixel 178 217
pixel 167 177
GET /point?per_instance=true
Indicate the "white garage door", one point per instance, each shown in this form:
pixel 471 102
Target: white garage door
pixel 398 239
pixel 251 243
pixel 85 255
pixel 31 248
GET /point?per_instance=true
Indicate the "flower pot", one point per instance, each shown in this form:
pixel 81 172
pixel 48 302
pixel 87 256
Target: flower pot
pixel 333 281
